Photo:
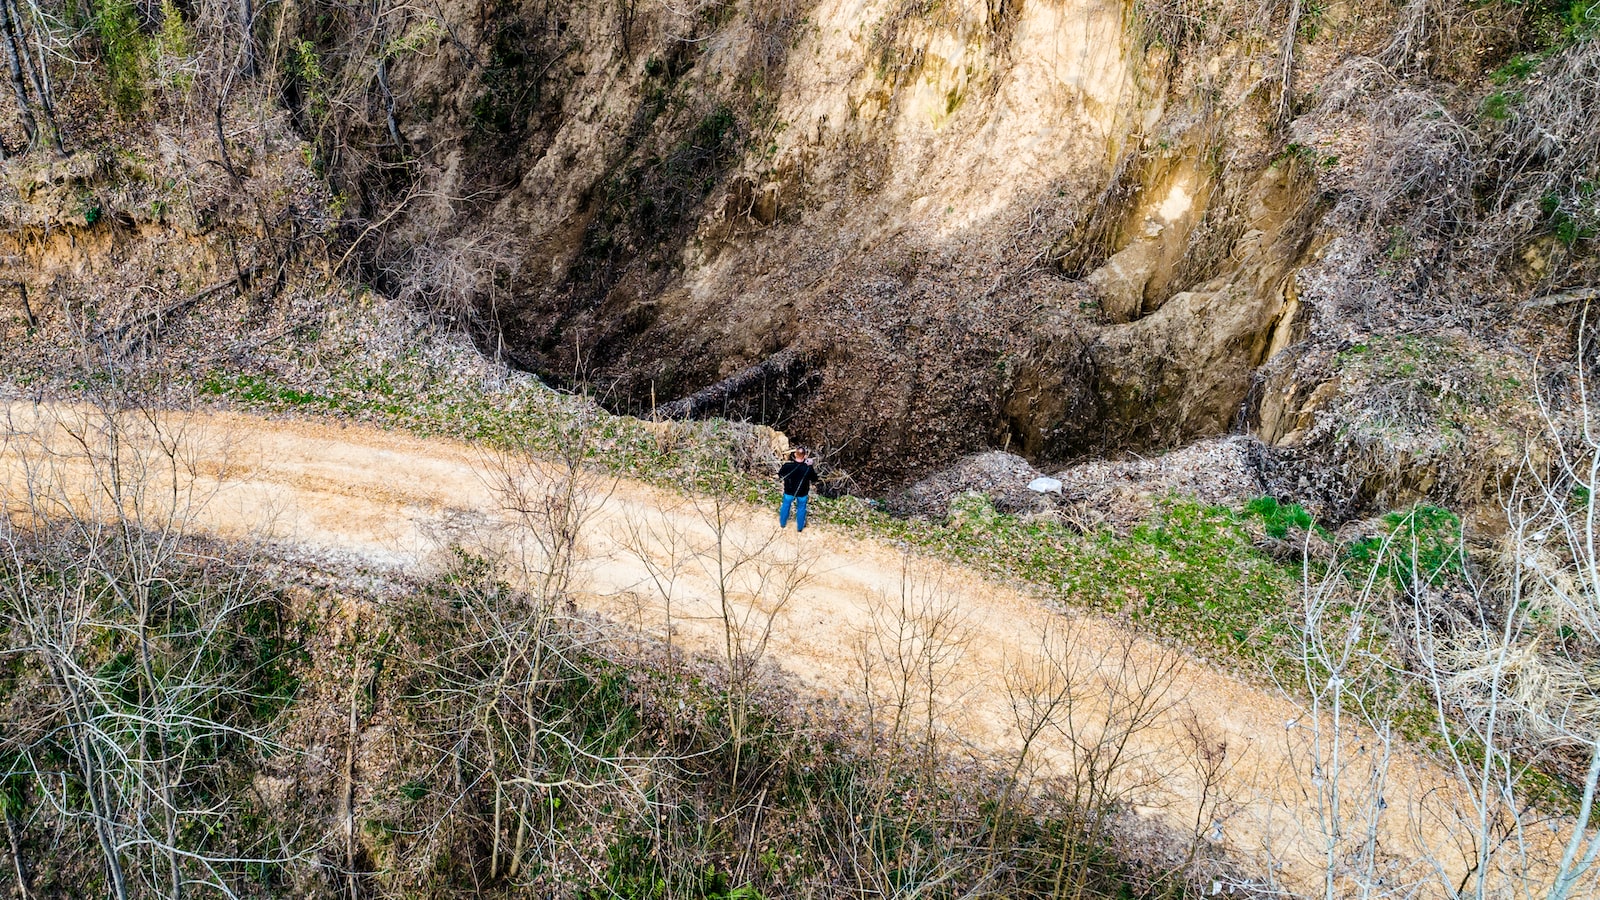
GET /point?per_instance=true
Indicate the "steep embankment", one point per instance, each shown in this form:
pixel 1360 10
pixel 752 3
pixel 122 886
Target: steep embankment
pixel 908 230
pixel 907 227
pixel 367 499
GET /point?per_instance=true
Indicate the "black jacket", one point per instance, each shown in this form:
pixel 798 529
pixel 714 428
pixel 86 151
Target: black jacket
pixel 797 477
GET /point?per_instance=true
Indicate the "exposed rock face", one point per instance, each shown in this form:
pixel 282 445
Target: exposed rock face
pixel 1181 370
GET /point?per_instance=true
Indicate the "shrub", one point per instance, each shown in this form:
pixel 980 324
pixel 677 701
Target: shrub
pixel 173 46
pixel 125 52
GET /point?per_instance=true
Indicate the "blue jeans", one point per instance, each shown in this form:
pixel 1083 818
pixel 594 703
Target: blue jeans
pixel 799 504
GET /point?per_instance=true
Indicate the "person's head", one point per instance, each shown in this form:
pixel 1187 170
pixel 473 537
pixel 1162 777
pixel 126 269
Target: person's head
pixel 799 454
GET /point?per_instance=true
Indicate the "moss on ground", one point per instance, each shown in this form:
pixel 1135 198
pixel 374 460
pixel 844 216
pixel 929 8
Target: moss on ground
pixel 1420 403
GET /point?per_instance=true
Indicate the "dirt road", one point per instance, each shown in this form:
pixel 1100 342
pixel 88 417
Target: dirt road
pixel 829 610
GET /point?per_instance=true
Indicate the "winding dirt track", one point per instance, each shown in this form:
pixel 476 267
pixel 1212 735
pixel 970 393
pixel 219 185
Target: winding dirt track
pixel 387 501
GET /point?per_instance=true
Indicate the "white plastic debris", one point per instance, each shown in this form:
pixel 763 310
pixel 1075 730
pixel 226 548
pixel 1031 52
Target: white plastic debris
pixel 1043 485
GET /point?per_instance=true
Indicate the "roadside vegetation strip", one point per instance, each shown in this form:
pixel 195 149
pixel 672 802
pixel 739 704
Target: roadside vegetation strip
pixel 471 723
pixel 835 802
pixel 1190 573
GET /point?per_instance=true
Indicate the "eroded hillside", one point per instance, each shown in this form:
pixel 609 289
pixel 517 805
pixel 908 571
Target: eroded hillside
pixel 929 229
pixel 911 230
pixel 901 231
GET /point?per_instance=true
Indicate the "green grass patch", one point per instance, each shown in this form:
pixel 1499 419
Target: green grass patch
pixel 1190 572
pixel 1420 546
pixel 1498 106
pixel 1517 68
pixel 1278 518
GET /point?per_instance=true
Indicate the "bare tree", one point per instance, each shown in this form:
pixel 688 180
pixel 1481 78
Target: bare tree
pixel 496 672
pixel 666 552
pixel 1530 688
pixel 753 577
pixel 1341 666
pixel 132 631
pixel 906 656
pixel 1500 650
pixel 1055 691
pixel 1119 698
pixel 1037 692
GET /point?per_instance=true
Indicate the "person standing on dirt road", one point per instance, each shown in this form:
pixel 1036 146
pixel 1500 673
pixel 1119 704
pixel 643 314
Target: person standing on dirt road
pixel 796 475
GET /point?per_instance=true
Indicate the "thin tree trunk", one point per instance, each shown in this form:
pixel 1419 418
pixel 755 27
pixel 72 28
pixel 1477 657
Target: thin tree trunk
pixel 247 27
pixel 93 773
pixel 22 290
pixel 33 63
pixel 10 35
pixel 388 102
pixel 1286 73
pixel 168 801
pixel 376 12
pixel 786 363
pixel 24 888
pixel 352 884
